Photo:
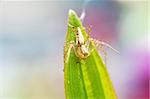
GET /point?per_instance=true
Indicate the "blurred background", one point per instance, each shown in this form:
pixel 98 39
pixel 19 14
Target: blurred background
pixel 32 35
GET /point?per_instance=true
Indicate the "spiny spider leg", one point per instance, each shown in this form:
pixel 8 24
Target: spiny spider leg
pixel 100 43
pixel 71 46
pixel 97 42
pixel 89 30
pixel 101 46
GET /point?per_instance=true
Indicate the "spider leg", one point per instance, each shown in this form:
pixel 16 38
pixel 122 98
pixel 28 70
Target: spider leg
pixel 71 46
pixel 109 46
pixel 88 44
pixel 100 43
pixel 101 46
pixel 98 46
pixel 89 30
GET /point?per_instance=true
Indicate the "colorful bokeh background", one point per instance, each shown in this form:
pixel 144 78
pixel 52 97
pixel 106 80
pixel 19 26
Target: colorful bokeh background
pixel 32 35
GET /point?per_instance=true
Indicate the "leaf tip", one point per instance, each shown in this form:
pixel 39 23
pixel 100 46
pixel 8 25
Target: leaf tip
pixel 73 18
pixel 71 12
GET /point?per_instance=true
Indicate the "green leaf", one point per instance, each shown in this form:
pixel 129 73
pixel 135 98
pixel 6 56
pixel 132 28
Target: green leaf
pixel 84 78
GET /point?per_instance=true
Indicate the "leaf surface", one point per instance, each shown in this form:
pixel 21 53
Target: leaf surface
pixel 84 78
